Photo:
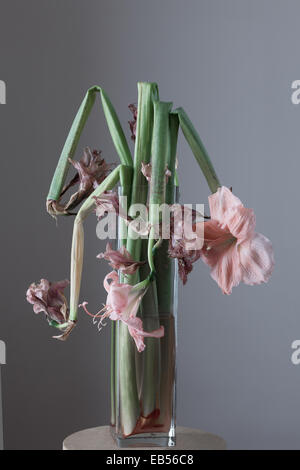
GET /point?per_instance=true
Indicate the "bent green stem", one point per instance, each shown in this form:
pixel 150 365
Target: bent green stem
pixel 198 150
pixel 78 239
pixel 76 129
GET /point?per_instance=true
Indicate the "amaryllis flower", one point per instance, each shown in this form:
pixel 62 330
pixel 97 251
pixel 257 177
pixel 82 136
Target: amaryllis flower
pixel 120 259
pixel 91 171
pixel 132 124
pixel 122 304
pixel 232 248
pixel 107 202
pixel 48 297
pixel 147 171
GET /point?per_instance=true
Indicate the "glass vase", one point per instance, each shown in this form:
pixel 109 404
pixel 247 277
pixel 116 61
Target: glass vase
pixel 144 383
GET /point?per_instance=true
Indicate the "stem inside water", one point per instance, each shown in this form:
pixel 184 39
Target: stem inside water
pixel 128 386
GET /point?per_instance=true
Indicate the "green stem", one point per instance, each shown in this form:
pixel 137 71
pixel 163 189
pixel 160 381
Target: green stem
pixel 71 145
pixel 164 265
pixel 115 129
pixel 129 400
pixel 160 155
pixel 147 93
pixel 150 387
pixel 128 393
pixel 78 124
pixel 198 150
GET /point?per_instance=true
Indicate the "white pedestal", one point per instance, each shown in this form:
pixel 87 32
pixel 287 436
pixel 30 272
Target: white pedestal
pixel 101 439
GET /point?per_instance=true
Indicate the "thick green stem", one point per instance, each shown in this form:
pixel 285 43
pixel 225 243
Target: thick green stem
pixel 130 408
pixel 160 156
pixel 71 145
pixel 128 393
pixel 150 359
pixel 198 150
pixel 115 129
pixel 150 387
pixel 147 93
pixel 164 265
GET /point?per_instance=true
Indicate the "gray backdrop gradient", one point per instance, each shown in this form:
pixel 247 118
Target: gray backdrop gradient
pixel 230 64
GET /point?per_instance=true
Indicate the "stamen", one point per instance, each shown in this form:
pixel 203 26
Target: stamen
pixel 84 304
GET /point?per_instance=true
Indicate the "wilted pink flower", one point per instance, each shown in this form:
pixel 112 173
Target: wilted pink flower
pixel 232 248
pixel 48 297
pixel 107 202
pixel 132 124
pixel 122 304
pixel 147 171
pixel 120 259
pixel 91 171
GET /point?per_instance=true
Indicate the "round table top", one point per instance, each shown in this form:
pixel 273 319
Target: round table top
pixel 101 439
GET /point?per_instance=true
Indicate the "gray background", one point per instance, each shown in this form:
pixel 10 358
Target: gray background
pixel 230 64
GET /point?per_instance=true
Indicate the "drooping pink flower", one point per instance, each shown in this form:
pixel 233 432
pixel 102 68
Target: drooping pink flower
pixel 232 248
pixel 132 124
pixel 48 297
pixel 122 304
pixel 120 259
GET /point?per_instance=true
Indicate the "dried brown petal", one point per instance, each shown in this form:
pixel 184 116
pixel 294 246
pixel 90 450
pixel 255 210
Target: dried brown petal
pixel 91 171
pixel 132 124
pixel 66 333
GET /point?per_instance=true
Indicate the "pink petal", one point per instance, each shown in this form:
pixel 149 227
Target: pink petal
pixel 220 202
pixel 113 276
pixel 257 259
pixel 118 297
pixel 227 271
pixel 135 328
pixel 215 235
pixel 134 301
pixel 241 222
pixel 225 265
pixel 120 260
pixel 48 297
